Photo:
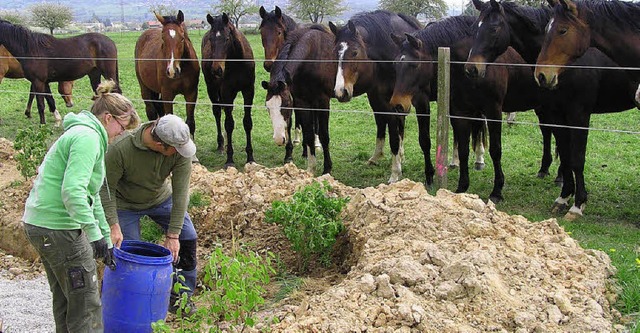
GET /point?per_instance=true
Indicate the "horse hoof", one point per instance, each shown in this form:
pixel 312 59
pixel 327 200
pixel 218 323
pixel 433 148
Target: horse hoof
pixel 453 166
pixel 496 198
pixel 296 142
pixel 542 174
pixel 557 208
pixel 229 165
pixel 372 162
pixel 479 166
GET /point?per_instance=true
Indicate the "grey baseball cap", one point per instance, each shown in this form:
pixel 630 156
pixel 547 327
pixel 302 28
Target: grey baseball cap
pixel 173 131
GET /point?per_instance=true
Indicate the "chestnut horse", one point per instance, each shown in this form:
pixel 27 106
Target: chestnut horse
pixel 228 68
pixel 10 68
pixel 365 53
pixel 45 59
pixel 167 65
pixel 306 86
pixel 274 28
pixel 580 93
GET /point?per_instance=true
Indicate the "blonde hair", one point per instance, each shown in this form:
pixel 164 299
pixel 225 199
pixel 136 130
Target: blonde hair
pixel 114 103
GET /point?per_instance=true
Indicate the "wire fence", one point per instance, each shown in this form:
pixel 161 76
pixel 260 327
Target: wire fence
pixel 344 110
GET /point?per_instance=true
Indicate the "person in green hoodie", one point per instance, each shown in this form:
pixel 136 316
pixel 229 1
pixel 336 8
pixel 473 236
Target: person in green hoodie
pixel 64 219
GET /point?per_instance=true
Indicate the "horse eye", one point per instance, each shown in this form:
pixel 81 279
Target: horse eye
pixel 562 31
pixel 354 53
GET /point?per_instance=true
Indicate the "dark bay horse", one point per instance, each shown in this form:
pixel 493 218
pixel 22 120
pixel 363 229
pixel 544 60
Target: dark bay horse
pixel 581 93
pixel 365 52
pixel 307 87
pixel 167 65
pixel 228 68
pixel 501 89
pixel 274 28
pixel 611 26
pixel 10 68
pixel 45 59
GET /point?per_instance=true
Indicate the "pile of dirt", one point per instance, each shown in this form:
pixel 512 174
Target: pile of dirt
pixel 410 262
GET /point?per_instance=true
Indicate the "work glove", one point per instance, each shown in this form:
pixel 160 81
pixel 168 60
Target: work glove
pixel 100 248
pixel 109 259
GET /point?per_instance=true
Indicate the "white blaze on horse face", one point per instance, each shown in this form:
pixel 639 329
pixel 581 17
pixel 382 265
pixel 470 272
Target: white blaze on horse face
pixel 339 88
pixel 217 33
pixel 277 120
pixel 479 24
pixel 549 25
pixel 172 33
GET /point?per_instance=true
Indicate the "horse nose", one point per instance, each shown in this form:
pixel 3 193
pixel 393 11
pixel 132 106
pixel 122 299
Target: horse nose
pixel 217 72
pixel 267 65
pixel 398 108
pixel 471 71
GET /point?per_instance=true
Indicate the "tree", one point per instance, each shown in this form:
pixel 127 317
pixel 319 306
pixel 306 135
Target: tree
pixel 163 10
pixel 51 15
pixel 235 9
pixel 315 10
pixel 14 17
pixel 431 9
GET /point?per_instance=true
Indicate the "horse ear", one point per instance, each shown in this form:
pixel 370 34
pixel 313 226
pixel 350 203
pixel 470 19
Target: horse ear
pixel 225 18
pixel 552 3
pixel 352 27
pixel 397 39
pixel 494 4
pixel 478 4
pixel 413 41
pixel 159 17
pixel 265 85
pixel 278 12
pixel 263 12
pixel 333 28
pixel 210 19
pixel 180 16
pixel 570 6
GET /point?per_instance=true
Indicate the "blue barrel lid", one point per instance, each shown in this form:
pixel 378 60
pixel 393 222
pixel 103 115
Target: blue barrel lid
pixel 143 253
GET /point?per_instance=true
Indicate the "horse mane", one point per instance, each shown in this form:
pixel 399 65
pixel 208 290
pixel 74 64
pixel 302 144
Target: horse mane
pixel 534 17
pixel 447 32
pixel 25 38
pixel 281 67
pixel 411 20
pixel 600 14
pixel 378 38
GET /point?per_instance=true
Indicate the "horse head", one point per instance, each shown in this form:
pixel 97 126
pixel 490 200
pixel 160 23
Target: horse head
pixel 222 40
pixel 279 104
pixel 491 40
pixel 568 37
pixel 273 32
pixel 173 42
pixel 350 50
pixel 413 71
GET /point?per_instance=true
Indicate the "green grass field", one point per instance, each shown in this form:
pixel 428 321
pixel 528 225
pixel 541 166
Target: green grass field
pixel 612 217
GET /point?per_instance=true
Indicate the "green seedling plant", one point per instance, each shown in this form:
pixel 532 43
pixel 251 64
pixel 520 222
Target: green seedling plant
pixel 31 144
pixel 310 221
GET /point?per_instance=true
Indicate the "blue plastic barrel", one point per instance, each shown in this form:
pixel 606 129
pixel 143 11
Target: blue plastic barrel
pixel 136 293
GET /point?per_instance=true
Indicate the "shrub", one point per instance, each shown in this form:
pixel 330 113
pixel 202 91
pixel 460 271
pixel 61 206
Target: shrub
pixel 310 221
pixel 31 143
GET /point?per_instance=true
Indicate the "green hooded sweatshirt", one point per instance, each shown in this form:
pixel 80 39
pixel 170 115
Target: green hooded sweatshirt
pixel 65 194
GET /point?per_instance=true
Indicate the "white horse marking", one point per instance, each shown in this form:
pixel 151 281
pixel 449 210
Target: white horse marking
pixel 479 24
pixel 172 33
pixel 339 87
pixel 550 25
pixel 274 104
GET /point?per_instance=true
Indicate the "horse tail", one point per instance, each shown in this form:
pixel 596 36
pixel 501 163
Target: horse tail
pixel 411 20
pixel 479 132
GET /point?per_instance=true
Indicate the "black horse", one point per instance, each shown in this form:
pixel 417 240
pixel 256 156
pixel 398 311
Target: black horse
pixel 306 86
pixel 579 93
pixel 501 90
pixel 226 78
pixel 365 53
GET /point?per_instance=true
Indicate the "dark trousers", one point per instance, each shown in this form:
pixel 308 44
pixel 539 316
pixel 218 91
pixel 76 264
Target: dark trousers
pixel 71 270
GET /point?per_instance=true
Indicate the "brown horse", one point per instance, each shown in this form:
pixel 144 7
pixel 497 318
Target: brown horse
pixel 274 28
pixel 365 52
pixel 10 68
pixel 306 86
pixel 228 68
pixel 613 27
pixel 45 58
pixel 167 65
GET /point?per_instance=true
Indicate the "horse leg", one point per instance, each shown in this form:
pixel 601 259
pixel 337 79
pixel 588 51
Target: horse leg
pixel 27 112
pixel 380 134
pixel 495 150
pixel 563 142
pixel 191 98
pixel 308 132
pixel 478 136
pixel 48 97
pixel 546 145
pixel 228 127
pixel 297 132
pixel 94 78
pixel 423 116
pixel 149 96
pixel 394 123
pixel 578 151
pixel 288 148
pixel 461 133
pixel 216 110
pixel 322 121
pixel 247 121
pixel 38 88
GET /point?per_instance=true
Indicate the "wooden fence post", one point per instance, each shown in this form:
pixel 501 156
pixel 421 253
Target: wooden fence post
pixel 442 129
